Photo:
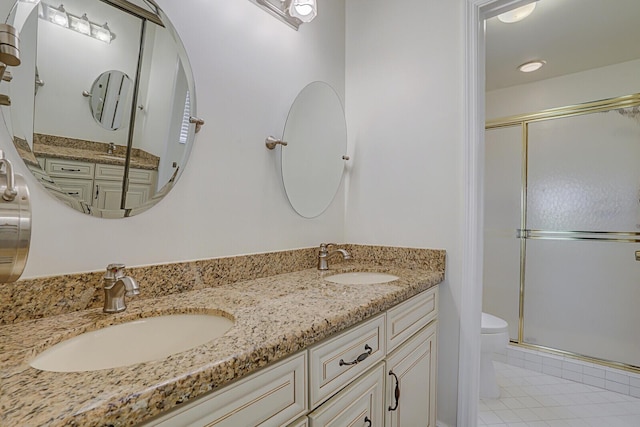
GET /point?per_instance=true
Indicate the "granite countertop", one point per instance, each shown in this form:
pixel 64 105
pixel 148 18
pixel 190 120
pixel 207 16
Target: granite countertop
pixel 85 155
pixel 274 316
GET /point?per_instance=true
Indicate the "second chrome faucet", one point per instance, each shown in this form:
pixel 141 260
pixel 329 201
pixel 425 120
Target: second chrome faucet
pixel 324 254
pixel 116 287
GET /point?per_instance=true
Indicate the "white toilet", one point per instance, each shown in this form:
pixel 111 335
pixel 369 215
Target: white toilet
pixel 495 337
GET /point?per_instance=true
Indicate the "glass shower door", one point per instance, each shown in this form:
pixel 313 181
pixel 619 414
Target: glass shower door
pixel 582 283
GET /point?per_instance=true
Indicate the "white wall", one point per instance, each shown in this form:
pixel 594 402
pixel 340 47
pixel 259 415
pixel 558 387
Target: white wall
pixel 248 69
pixel 405 115
pixel 593 85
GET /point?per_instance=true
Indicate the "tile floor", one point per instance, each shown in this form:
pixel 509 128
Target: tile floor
pixel 533 399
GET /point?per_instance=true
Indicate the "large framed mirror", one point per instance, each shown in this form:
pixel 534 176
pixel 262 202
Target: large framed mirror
pixel 103 106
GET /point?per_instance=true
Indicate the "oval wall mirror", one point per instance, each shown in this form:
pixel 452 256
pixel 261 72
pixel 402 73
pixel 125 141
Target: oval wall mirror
pixel 312 160
pixel 117 150
pixel 110 99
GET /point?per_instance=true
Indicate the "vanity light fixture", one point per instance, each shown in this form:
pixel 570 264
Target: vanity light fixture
pixel 531 66
pixel 517 14
pixel 291 12
pixel 80 24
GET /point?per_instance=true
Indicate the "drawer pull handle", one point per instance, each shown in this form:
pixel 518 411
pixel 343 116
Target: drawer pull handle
pixel 50 181
pixel 360 358
pixel 367 420
pixel 397 392
pixel 77 193
pixel 70 170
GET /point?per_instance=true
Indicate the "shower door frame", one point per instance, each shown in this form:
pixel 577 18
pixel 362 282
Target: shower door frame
pixel 524 234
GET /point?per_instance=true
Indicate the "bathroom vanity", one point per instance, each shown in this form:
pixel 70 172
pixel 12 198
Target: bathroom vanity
pixel 302 350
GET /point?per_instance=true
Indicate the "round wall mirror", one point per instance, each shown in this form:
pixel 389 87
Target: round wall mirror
pixel 107 143
pixel 312 160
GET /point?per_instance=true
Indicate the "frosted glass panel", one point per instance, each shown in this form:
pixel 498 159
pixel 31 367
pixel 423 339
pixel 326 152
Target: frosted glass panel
pixel 583 297
pixel 584 173
pixel 503 177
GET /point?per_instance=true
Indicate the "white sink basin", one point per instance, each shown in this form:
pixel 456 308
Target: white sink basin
pixel 360 278
pixel 141 340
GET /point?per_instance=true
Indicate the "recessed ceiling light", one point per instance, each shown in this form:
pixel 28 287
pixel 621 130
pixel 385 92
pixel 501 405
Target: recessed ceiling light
pixel 518 14
pixel 530 66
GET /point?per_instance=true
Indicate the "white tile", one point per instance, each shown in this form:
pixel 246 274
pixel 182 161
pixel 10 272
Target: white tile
pixel 526 414
pixel 533 366
pixel 512 403
pixel 634 381
pixel 533 357
pixel 529 402
pixel 489 417
pixel 552 360
pixel 634 391
pixel 572 366
pixel 557 423
pixel 617 387
pixel 507 415
pixel 515 354
pixel 552 370
pixel 594 372
pixel 544 413
pixel 493 405
pixel 537 424
pixel 617 377
pixel 596 382
pixel 572 375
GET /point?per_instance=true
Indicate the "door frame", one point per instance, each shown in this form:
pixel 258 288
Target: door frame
pixel 476 12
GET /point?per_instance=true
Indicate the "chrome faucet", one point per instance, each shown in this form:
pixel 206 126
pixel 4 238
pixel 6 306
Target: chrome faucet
pixel 111 148
pixel 324 254
pixel 116 287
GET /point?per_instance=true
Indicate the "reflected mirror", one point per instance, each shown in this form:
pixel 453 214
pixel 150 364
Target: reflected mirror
pixel 110 99
pixel 103 103
pixel 312 160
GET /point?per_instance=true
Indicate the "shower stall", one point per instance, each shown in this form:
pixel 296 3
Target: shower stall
pixel 562 229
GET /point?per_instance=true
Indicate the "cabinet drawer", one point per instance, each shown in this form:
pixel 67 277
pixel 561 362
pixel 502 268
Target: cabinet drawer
pixel 360 404
pixel 69 168
pixel 336 362
pixel 301 422
pixel 409 317
pixel 115 172
pixel 272 397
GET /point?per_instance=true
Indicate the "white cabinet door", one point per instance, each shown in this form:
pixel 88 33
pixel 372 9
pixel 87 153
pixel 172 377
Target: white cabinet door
pixel 411 382
pixel 107 195
pixel 359 404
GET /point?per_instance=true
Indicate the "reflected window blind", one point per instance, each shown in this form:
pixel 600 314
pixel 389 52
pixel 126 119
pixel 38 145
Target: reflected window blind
pixel 184 129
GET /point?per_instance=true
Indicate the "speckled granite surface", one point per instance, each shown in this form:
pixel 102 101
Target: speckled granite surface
pixel 278 310
pixel 89 151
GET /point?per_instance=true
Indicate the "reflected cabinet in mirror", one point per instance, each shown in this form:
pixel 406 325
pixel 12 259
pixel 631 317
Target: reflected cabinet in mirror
pixel 102 104
pixel 316 142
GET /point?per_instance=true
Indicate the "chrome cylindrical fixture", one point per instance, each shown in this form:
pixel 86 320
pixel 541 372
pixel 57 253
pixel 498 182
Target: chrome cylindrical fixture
pixel 9 45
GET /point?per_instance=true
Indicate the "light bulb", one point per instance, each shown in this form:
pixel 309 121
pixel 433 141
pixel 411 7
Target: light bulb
pixel 531 66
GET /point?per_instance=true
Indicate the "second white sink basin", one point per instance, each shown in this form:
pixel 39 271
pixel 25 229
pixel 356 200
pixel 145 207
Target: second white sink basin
pixel 360 278
pixel 141 340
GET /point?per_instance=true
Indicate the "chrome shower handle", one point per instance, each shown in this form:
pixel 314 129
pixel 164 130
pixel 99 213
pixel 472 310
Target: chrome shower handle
pixel 637 255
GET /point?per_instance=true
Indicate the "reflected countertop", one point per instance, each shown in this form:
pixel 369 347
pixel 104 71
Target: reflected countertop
pixel 91 156
pixel 275 316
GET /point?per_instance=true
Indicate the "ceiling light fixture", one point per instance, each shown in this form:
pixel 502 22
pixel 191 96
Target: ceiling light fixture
pixel 531 66
pixel 291 12
pixel 517 14
pixel 80 24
